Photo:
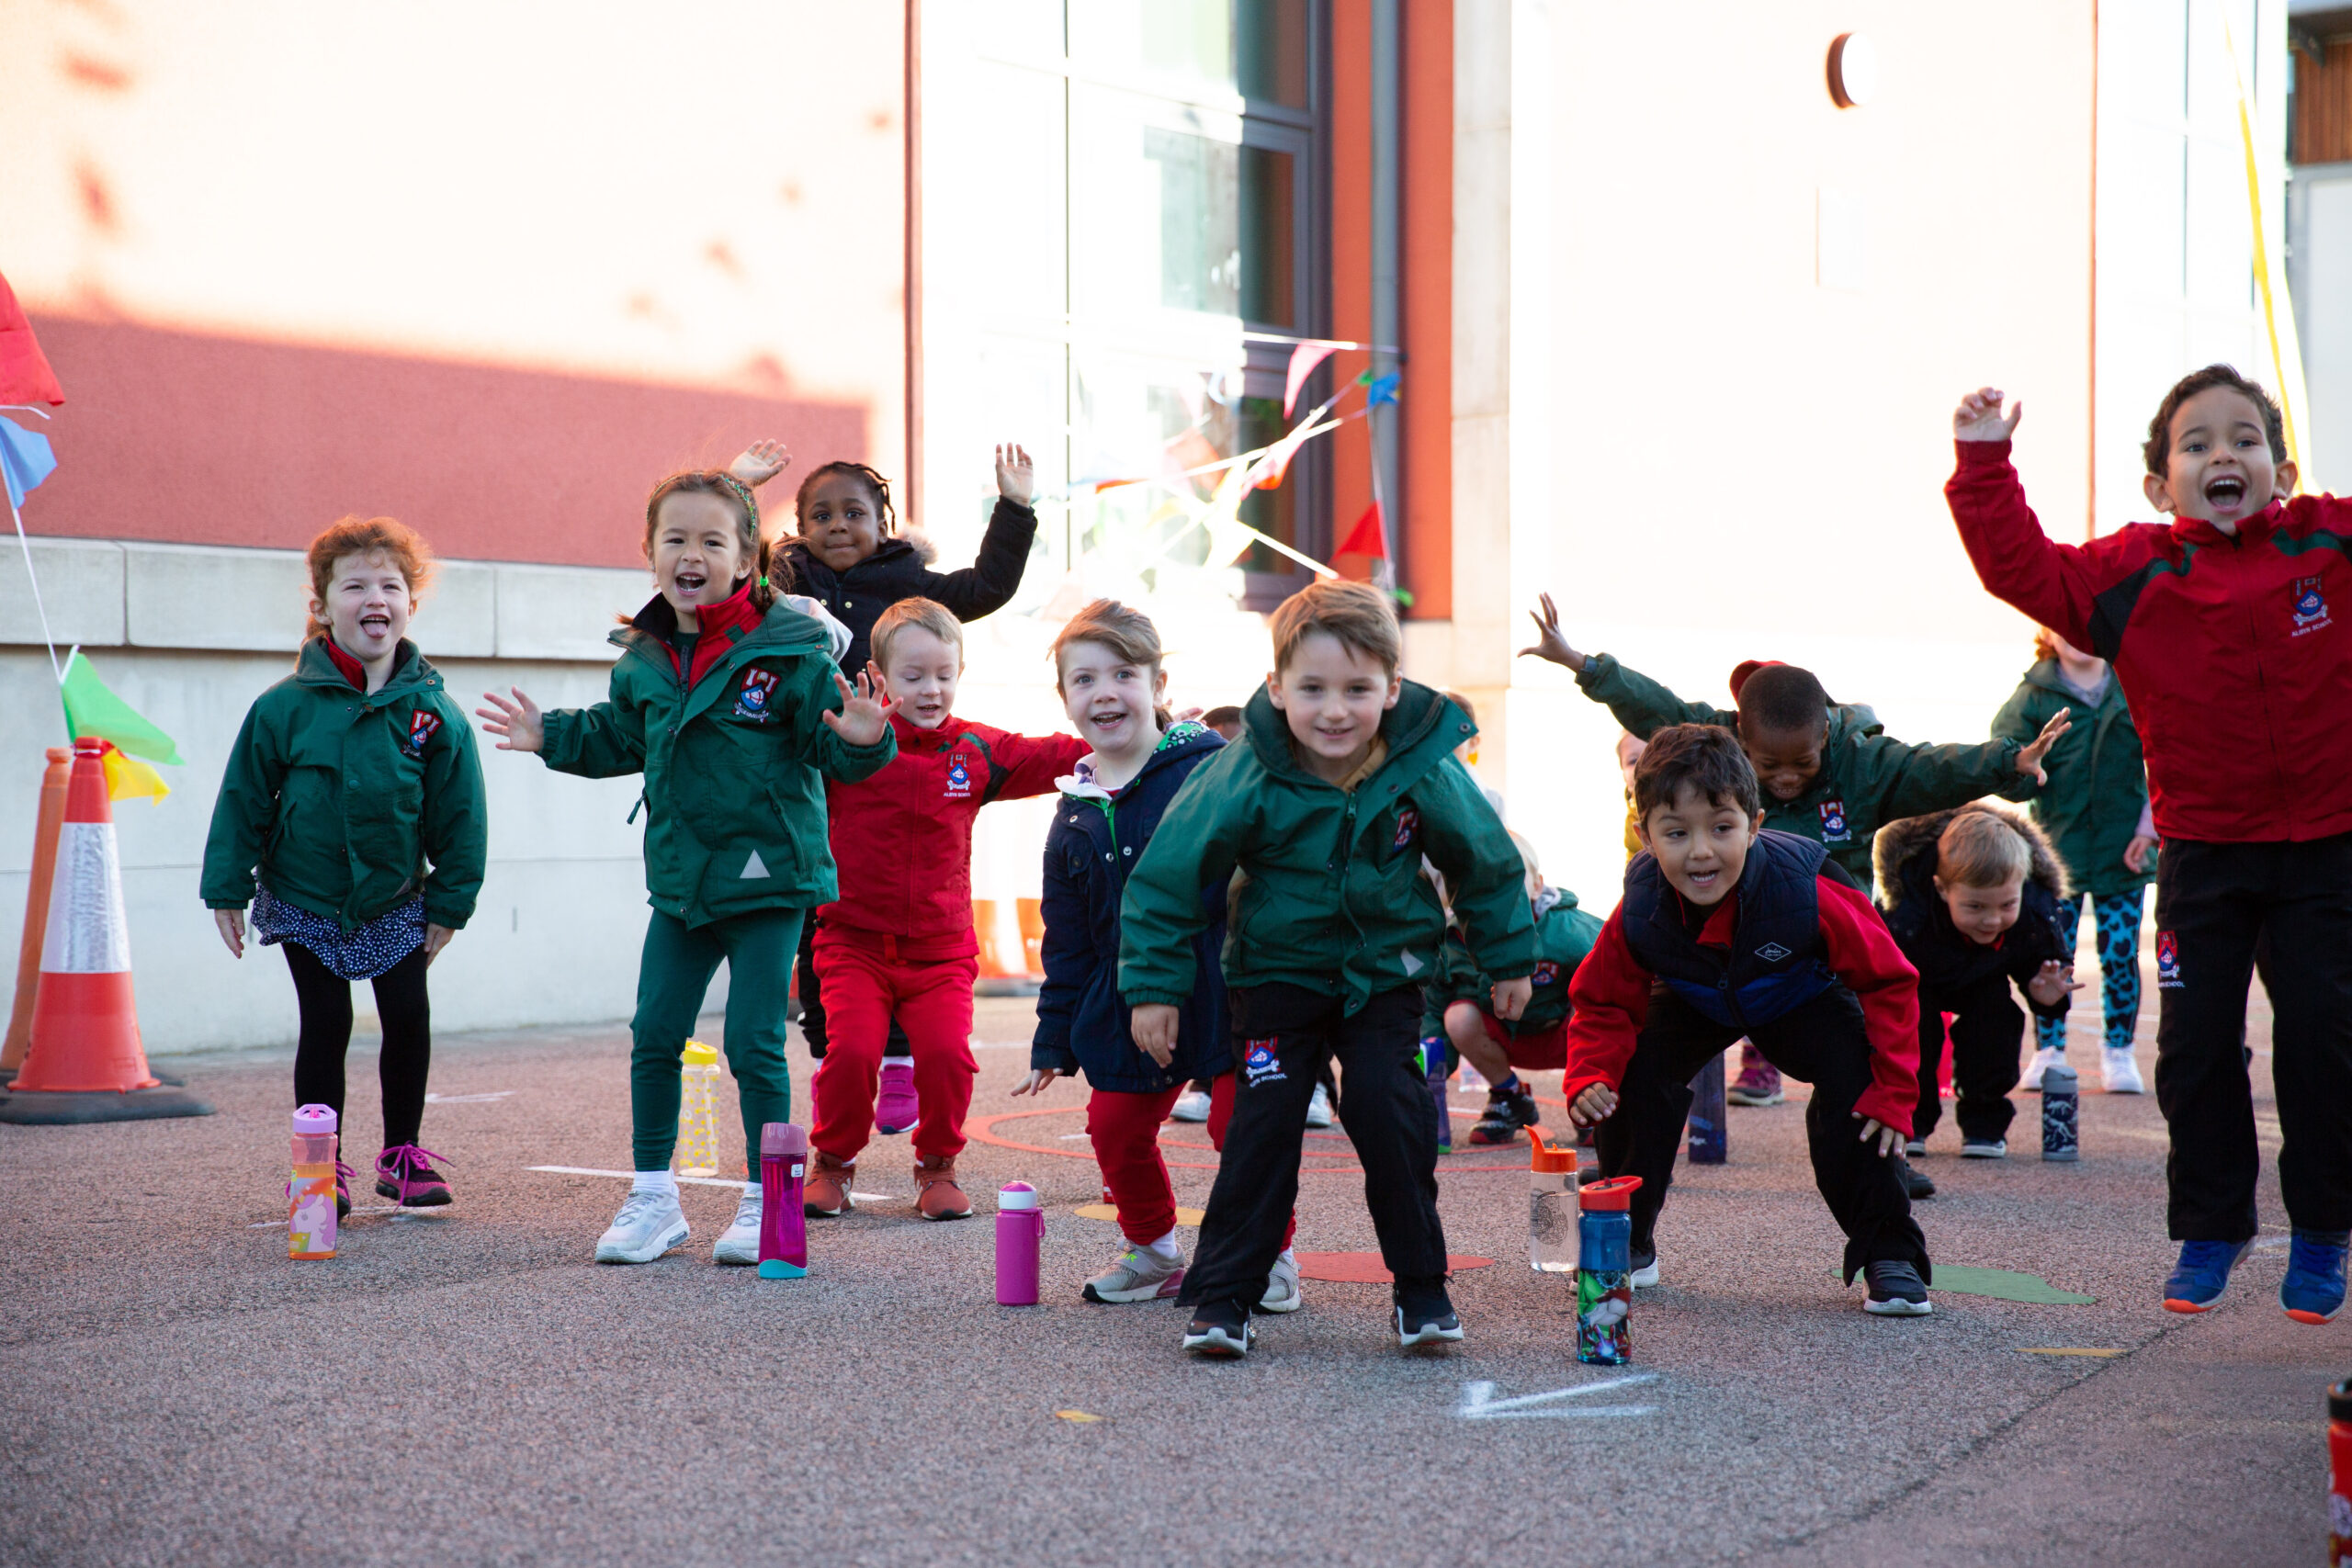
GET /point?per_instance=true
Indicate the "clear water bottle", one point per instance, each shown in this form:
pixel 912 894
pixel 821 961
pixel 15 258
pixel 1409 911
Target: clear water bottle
pixel 1551 1207
pixel 1433 1068
pixel 2060 1138
pixel 698 1111
pixel 1470 1081
pixel 310 1197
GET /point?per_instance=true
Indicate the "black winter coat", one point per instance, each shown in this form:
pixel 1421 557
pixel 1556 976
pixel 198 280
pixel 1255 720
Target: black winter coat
pixel 1082 1022
pixel 901 570
pixel 1921 921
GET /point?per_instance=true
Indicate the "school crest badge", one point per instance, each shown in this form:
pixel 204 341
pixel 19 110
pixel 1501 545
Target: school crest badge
pixel 2309 610
pixel 959 778
pixel 1408 822
pixel 1546 972
pixel 2168 962
pixel 1833 823
pixel 1259 1065
pixel 758 692
pixel 421 727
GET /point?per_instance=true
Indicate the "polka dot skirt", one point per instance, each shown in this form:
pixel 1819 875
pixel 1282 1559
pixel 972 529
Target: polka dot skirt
pixel 361 954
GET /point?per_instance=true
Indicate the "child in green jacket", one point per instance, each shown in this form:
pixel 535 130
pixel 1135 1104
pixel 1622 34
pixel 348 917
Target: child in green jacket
pixel 727 699
pixel 351 817
pixel 2094 809
pixel 1829 772
pixel 1344 779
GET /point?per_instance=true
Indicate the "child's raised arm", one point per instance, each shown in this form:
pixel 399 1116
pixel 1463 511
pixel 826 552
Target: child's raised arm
pixel 598 742
pixel 1641 705
pixel 842 731
pixel 988 584
pixel 2017 562
pixel 761 461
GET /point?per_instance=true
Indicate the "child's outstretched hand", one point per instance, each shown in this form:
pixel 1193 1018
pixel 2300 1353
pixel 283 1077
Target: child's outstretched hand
pixel 231 926
pixel 1979 416
pixel 866 709
pixel 1512 998
pixel 761 461
pixel 1154 1027
pixel 2051 984
pixel 516 723
pixel 1593 1105
pixel 1037 1082
pixel 1889 1140
pixel 1017 477
pixel 1549 642
pixel 2030 758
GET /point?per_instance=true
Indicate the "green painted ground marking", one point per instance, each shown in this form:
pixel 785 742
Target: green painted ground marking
pixel 2004 1284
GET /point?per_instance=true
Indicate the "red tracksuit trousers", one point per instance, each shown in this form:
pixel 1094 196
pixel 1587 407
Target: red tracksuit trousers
pixel 863 987
pixel 1126 1131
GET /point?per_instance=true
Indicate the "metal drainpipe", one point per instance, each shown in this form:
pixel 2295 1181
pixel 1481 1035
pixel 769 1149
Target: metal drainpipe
pixel 1387 259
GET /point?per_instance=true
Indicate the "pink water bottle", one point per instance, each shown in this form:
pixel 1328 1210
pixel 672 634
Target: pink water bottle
pixel 783 1228
pixel 1019 1238
pixel 310 1197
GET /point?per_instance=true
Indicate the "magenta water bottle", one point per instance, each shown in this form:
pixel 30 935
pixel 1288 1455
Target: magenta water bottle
pixel 783 1228
pixel 1020 1239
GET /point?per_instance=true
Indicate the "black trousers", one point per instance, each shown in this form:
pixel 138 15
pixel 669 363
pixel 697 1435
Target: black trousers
pixel 1821 1043
pixel 401 1007
pixel 1282 1037
pixel 1987 1037
pixel 2216 906
pixel 812 1000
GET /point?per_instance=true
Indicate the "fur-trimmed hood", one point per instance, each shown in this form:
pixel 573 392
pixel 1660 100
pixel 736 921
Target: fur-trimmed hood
pixel 1903 845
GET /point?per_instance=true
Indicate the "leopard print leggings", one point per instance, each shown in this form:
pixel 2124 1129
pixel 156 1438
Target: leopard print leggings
pixel 2118 916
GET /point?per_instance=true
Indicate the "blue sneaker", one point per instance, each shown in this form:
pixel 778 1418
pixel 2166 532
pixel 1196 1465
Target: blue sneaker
pixel 2313 1291
pixel 2202 1274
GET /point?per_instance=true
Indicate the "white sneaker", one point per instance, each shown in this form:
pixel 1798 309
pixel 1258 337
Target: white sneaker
pixel 739 1242
pixel 1138 1274
pixel 2122 1072
pixel 2041 1061
pixel 1915 1149
pixel 1985 1148
pixel 1192 1105
pixel 1319 1109
pixel 648 1225
pixel 1282 1286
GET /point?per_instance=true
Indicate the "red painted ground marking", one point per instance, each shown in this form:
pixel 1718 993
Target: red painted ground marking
pixel 1365 1267
pixel 981 1130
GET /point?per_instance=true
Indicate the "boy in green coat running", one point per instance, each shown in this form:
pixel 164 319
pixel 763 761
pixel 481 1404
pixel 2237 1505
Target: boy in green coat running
pixel 727 699
pixel 1829 773
pixel 2094 809
pixel 1343 780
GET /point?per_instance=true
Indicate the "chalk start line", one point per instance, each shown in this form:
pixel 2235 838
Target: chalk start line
pixel 1317 1157
pixel 1479 1404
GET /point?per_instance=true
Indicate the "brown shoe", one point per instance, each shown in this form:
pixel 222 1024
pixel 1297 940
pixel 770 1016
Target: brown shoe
pixel 936 1194
pixel 825 1192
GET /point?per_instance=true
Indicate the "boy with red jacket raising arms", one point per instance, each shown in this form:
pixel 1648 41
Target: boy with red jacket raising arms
pixel 2221 626
pixel 900 939
pixel 1727 931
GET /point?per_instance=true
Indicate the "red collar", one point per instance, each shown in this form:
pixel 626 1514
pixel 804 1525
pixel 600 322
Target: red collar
pixel 349 668
pixel 713 623
pixel 913 735
pixel 2257 527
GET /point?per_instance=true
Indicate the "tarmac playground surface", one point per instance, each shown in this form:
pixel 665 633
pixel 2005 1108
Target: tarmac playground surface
pixel 466 1386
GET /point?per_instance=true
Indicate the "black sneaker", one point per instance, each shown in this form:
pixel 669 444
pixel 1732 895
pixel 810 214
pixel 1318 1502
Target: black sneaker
pixel 1914 1183
pixel 1895 1290
pixel 1220 1328
pixel 1507 1112
pixel 1425 1315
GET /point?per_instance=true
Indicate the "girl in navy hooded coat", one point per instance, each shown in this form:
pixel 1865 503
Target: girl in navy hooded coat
pixel 1106 664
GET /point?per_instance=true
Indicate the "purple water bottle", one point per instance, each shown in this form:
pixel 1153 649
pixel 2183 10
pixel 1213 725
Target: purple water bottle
pixel 784 1229
pixel 1019 1238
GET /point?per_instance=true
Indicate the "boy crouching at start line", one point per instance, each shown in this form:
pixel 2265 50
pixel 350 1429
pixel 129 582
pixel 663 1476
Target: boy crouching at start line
pixel 1754 933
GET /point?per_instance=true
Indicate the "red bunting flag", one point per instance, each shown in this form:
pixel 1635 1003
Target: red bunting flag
pixel 1366 539
pixel 25 375
pixel 1303 361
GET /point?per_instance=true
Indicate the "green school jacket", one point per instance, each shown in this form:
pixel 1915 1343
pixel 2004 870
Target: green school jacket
pixel 2099 782
pixel 347 804
pixel 734 769
pixel 1562 936
pixel 1332 897
pixel 1868 778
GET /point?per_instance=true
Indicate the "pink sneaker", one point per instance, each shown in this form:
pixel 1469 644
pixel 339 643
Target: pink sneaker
pixel 404 1173
pixel 1758 1082
pixel 897 1109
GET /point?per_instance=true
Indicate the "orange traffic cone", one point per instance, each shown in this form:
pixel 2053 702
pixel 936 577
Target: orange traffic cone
pixel 52 815
pixel 86 1062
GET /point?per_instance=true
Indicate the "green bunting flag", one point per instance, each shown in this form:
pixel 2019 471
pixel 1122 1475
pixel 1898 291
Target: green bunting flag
pixel 90 709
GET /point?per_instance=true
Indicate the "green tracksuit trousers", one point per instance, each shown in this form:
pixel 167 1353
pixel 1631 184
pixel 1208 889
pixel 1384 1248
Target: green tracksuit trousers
pixel 670 980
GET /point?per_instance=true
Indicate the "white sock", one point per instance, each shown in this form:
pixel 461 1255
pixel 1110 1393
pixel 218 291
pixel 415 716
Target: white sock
pixel 1166 1247
pixel 750 1189
pixel 655 1181
pixel 1289 1258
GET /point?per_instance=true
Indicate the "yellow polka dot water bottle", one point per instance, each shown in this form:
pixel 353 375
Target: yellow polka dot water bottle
pixel 698 1111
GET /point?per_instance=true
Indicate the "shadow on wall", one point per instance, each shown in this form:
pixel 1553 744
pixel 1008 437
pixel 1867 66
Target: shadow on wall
pixel 201 440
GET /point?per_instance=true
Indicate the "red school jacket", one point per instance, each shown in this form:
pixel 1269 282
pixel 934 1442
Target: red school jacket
pixel 2238 672
pixel 903 839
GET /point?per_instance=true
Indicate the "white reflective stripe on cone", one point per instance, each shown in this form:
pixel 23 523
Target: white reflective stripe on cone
pixel 87 933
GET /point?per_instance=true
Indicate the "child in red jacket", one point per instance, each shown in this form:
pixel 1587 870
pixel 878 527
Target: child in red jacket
pixel 2222 626
pixel 900 939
